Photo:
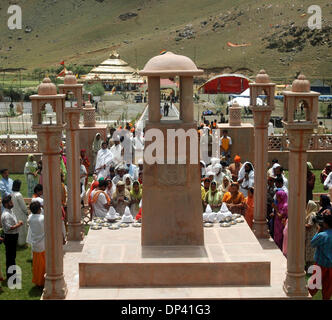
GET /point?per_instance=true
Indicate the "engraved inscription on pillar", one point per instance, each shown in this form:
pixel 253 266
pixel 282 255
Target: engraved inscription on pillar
pixel 172 175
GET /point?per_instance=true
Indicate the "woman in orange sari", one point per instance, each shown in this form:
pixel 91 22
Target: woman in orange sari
pixel 234 199
pixel 249 201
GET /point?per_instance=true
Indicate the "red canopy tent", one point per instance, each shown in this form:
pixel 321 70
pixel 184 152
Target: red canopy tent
pixel 226 83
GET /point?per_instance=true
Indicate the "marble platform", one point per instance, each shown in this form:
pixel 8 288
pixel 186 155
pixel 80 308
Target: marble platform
pixel 235 246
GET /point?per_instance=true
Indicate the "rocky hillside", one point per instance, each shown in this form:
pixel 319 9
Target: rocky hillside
pixel 274 33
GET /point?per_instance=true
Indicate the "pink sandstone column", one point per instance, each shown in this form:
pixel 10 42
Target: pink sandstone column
pixel 261 119
pixel 299 133
pixel 295 283
pixel 262 114
pixel 154 99
pixel 75 232
pixel 49 141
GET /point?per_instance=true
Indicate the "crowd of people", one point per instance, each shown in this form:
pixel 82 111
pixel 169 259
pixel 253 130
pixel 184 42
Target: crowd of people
pixel 116 191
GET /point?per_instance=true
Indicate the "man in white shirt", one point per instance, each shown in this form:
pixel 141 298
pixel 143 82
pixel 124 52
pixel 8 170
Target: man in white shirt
pixel 116 151
pixel 10 227
pixel 100 200
pixel 36 226
pixel 328 184
pixel 6 184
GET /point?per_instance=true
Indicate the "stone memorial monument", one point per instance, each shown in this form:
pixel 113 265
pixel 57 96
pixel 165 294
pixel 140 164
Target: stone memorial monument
pixel 173 209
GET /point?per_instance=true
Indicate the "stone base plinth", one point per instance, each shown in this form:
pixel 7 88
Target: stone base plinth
pixel 116 259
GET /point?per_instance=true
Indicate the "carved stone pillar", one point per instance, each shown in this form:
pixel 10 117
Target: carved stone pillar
pixel 49 139
pixel 299 133
pixel 261 120
pixel 89 114
pixel 295 283
pixel 262 113
pixel 235 115
pixel 75 232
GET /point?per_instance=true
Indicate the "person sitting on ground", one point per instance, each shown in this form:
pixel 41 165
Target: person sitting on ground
pixel 225 185
pixel 120 172
pixel 219 175
pixel 322 241
pixel 234 199
pixel 213 197
pixel 235 167
pixel 36 226
pixel 140 178
pixel 249 213
pixel 205 187
pixel 121 198
pixel 326 171
pixel 225 169
pixel 128 181
pixel 110 189
pixel 100 200
pixel 136 197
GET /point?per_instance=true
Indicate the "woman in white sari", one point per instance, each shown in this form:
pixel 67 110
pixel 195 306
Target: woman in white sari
pixel 246 177
pixel 127 181
pixel 103 162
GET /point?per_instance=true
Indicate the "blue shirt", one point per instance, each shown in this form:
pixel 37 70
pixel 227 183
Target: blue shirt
pixel 323 243
pixel 6 187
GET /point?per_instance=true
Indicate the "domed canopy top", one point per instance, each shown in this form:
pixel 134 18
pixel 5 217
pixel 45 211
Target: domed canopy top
pixel 262 77
pixel 170 64
pixel 301 84
pixel 47 88
pixel 70 78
